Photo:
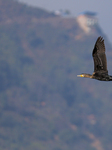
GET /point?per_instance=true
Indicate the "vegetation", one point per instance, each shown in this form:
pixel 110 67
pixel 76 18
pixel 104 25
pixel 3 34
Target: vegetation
pixel 43 105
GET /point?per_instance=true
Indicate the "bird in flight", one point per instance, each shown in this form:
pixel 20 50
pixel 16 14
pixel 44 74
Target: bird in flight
pixel 100 62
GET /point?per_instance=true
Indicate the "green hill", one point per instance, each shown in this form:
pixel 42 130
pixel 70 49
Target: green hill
pixel 43 105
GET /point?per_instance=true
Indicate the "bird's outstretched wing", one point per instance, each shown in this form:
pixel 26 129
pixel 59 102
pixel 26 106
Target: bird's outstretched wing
pixel 99 57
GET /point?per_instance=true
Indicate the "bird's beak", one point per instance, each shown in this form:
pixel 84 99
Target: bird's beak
pixel 80 75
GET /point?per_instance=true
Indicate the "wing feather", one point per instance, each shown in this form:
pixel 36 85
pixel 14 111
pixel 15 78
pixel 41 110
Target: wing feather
pixel 99 57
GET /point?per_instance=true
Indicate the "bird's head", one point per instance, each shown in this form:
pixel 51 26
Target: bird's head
pixel 81 75
pixel 85 75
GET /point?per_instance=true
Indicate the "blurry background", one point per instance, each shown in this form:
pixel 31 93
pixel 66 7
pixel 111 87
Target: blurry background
pixel 43 105
pixel 103 8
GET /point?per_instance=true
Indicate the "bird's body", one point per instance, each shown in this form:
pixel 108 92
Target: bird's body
pixel 100 62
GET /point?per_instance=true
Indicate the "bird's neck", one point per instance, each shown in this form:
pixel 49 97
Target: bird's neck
pixel 88 76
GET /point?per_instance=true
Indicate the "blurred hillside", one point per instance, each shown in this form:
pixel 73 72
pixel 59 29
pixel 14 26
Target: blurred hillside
pixel 43 105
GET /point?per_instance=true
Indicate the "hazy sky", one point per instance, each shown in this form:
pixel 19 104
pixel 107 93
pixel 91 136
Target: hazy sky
pixel 102 7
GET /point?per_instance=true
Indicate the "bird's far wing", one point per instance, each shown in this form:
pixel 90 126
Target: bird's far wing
pixel 99 57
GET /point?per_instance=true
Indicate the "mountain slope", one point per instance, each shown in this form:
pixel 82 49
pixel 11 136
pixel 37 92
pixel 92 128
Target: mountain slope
pixel 43 104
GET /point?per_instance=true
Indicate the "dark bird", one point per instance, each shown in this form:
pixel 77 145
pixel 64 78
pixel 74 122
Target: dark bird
pixel 100 62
